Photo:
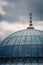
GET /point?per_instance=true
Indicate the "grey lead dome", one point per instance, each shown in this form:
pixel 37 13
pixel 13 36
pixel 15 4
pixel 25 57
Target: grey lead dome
pixel 24 43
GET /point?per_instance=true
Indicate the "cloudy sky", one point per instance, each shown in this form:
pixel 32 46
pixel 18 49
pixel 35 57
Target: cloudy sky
pixel 14 15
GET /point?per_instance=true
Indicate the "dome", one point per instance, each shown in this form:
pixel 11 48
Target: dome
pixel 24 47
pixel 24 43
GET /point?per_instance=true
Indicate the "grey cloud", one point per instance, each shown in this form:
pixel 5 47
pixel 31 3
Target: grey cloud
pixel 1 17
pixel 37 7
pixel 14 13
pixel 17 8
pixel 10 18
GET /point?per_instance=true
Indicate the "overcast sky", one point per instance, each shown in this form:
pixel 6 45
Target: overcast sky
pixel 14 15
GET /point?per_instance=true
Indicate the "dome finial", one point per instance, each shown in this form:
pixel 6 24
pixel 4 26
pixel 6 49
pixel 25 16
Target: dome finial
pixel 30 19
pixel 30 25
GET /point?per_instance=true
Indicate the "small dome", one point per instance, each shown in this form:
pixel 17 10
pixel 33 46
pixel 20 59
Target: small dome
pixel 24 43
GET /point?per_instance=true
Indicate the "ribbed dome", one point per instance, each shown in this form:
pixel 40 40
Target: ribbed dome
pixel 24 43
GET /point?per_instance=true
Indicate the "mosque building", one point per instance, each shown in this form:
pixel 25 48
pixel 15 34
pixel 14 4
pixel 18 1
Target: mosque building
pixel 24 47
